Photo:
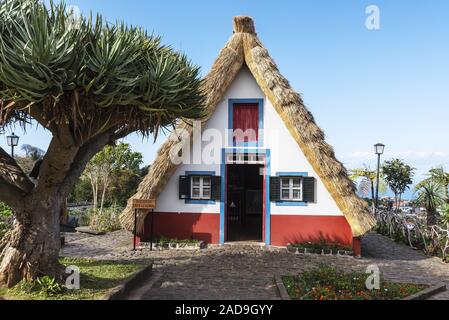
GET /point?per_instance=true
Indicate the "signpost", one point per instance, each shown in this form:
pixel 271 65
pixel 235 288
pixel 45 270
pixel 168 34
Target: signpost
pixel 143 204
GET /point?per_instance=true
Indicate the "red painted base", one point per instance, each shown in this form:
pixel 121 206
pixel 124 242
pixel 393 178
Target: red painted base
pixel 186 225
pixel 357 247
pixel 287 229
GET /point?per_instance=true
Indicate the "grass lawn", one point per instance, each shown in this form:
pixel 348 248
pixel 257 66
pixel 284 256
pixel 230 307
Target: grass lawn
pixel 96 278
pixel 328 283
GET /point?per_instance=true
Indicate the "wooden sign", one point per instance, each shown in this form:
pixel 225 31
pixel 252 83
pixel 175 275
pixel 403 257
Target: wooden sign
pixel 143 203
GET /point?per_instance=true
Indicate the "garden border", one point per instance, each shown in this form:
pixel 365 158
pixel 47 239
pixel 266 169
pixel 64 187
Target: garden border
pixel 135 281
pixel 429 292
pixel 281 288
pixel 173 245
pixel 304 252
pixel 421 295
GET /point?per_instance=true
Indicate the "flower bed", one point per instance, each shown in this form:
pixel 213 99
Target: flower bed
pixel 320 248
pixel 328 283
pixel 174 244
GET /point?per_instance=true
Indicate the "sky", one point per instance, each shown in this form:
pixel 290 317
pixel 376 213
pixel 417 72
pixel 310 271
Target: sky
pixel 363 86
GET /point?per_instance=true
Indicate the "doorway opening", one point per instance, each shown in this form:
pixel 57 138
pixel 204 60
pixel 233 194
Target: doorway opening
pixel 244 202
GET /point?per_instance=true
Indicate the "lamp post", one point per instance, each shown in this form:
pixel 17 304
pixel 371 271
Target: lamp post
pixel 13 141
pixel 378 149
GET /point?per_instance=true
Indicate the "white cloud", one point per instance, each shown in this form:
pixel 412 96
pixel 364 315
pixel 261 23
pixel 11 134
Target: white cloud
pixel 421 160
pixel 401 154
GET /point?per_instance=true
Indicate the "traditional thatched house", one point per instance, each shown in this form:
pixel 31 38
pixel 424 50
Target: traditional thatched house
pixel 280 183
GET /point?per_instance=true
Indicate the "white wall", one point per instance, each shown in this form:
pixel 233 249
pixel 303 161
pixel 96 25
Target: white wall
pixel 286 155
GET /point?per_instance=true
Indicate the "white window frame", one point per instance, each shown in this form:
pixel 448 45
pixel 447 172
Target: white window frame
pixel 291 189
pixel 201 187
pixel 239 158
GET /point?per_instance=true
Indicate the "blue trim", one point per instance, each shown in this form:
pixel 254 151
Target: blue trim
pixel 292 174
pixel 199 201
pixel 267 153
pixel 223 195
pixel 259 142
pixel 291 204
pixel 199 173
pixel 284 203
pixel 267 198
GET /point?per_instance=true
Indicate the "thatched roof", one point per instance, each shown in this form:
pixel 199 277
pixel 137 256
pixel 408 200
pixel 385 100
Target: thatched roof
pixel 245 47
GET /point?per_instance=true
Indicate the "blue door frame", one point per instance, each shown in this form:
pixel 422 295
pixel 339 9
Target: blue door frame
pixel 223 174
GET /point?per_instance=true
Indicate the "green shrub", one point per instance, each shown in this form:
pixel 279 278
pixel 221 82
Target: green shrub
pixel 83 215
pixel 6 216
pixel 445 214
pixel 48 285
pixel 105 220
pixel 5 210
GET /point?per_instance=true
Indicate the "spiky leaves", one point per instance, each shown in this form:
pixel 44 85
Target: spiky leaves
pixel 431 196
pixel 58 68
pixel 89 83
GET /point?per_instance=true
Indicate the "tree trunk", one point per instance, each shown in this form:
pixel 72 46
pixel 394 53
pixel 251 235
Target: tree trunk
pixel 64 215
pixel 431 218
pixel 103 195
pixel 33 244
pixel 94 192
pixel 31 249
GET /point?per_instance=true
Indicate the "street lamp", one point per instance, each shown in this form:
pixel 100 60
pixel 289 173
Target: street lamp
pixel 378 149
pixel 13 141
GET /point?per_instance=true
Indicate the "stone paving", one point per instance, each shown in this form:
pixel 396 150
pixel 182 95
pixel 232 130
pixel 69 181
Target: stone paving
pixel 247 271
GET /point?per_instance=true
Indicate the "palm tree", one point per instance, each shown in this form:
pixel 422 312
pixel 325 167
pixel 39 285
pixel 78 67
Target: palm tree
pixel 440 176
pixel 431 196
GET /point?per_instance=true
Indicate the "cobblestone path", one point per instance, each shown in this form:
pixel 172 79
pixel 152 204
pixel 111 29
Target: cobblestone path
pixel 246 272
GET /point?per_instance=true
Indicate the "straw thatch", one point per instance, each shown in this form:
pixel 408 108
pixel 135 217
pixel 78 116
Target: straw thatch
pixel 245 47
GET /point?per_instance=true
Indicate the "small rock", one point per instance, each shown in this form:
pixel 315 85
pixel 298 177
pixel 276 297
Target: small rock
pixel 88 230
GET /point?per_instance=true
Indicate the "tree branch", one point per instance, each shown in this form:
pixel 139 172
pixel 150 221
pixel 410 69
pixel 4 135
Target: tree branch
pixel 11 195
pixel 11 172
pixel 122 133
pixel 85 153
pixel 36 113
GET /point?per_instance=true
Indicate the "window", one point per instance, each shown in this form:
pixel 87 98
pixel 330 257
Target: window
pixel 200 187
pixel 291 188
pixel 245 158
pixel 245 122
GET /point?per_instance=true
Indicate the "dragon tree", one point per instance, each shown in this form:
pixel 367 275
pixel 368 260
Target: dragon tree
pixel 88 83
